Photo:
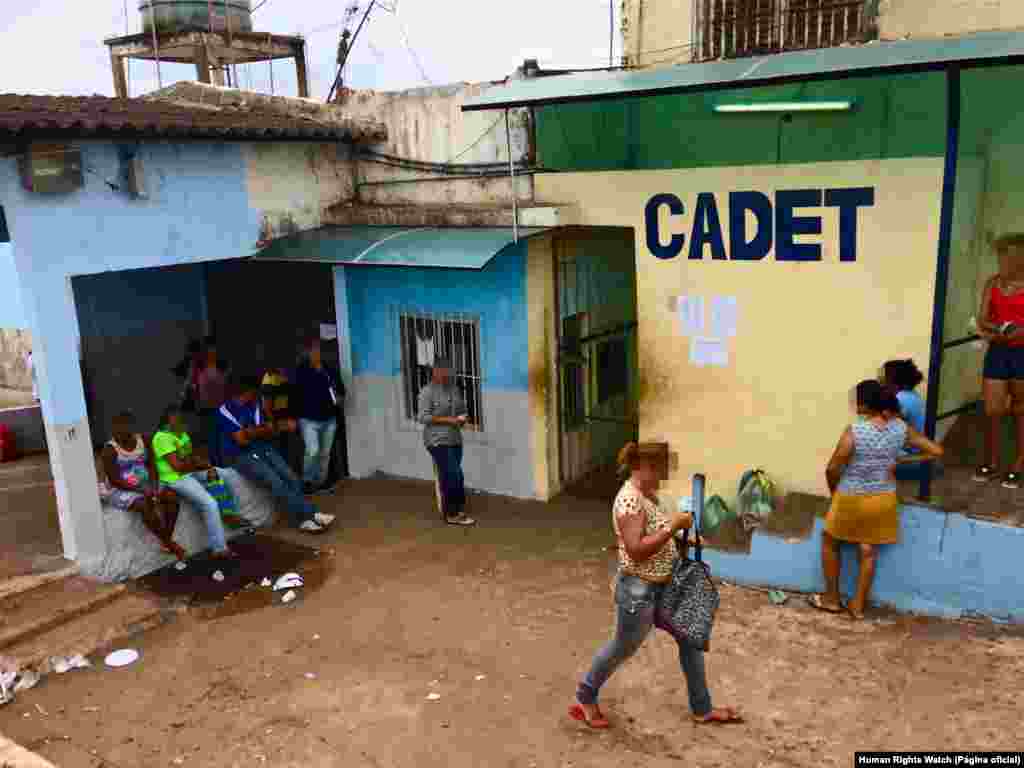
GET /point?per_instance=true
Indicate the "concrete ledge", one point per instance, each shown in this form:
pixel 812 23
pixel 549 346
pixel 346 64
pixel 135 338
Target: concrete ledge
pixel 944 565
pixel 13 756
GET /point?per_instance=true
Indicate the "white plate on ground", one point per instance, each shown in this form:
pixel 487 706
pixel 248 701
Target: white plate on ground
pixel 122 658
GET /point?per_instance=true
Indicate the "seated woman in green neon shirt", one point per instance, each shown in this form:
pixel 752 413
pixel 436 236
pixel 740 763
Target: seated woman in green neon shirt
pixel 179 469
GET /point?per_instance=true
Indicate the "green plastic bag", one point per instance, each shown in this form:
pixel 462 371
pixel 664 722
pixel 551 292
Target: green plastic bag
pixel 756 499
pixel 716 512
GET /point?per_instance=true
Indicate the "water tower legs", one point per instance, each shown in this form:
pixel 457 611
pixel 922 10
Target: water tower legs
pixel 120 79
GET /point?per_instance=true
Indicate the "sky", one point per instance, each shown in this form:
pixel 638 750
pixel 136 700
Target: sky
pixel 421 43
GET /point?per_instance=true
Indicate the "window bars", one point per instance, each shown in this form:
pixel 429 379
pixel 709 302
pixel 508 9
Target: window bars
pixel 426 336
pixel 732 29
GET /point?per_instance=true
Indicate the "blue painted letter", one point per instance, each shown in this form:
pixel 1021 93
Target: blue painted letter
pixel 787 226
pixel 758 204
pixel 675 243
pixel 707 228
pixel 848 201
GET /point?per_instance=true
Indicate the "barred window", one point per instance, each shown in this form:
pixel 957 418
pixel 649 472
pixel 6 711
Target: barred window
pixel 424 337
pixel 729 29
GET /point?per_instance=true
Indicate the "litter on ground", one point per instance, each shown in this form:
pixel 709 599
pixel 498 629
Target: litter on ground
pixel 63 664
pixel 218 576
pixel 433 696
pixel 288 581
pixel 122 658
pixel 288 596
pixel 181 565
pixel 777 597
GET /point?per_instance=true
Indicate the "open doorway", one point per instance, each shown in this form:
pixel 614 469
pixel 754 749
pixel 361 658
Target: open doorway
pixel 135 326
pixel 595 290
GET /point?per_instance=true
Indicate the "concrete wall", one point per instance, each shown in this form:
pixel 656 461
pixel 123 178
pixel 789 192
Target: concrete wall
pixel 904 18
pixel 427 124
pixel 500 458
pixel 656 32
pixel 807 331
pixel 12 311
pixel 291 184
pixel 944 565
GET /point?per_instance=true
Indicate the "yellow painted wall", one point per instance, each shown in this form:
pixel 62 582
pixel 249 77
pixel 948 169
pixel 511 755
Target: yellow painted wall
pixel 656 32
pixel 542 356
pixel 902 18
pixel 807 332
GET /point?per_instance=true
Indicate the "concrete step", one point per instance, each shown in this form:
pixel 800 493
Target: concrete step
pixel 31 612
pixel 107 618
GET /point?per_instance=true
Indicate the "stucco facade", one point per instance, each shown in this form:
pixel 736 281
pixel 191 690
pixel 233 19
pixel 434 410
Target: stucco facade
pixel 661 32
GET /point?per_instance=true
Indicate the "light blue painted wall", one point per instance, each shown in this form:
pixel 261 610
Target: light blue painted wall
pixel 197 210
pixel 497 294
pixel 12 311
pixel 944 565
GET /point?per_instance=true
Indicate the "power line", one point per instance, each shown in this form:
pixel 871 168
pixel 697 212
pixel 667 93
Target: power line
pixel 480 138
pixel 258 6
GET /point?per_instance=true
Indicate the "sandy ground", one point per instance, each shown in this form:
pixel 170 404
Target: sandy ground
pixel 500 621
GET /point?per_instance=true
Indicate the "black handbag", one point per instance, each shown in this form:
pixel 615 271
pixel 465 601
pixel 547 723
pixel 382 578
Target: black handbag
pixel 687 605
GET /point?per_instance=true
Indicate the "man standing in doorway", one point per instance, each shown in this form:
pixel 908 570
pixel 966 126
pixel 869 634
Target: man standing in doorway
pixel 319 393
pixel 442 412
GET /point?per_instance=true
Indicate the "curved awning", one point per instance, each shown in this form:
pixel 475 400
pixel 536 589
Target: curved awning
pixel 444 247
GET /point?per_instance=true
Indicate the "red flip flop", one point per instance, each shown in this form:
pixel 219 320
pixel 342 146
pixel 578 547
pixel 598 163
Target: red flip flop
pixel 576 712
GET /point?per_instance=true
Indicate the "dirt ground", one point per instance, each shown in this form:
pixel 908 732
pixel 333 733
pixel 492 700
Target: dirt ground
pixel 500 621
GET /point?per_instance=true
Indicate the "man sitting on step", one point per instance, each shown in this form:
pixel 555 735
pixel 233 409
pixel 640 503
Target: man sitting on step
pixel 248 446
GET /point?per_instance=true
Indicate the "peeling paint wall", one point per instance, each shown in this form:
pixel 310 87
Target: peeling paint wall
pixel 292 184
pixel 427 125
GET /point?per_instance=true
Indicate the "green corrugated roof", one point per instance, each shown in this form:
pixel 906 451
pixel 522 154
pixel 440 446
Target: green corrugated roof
pixel 823 63
pixel 446 247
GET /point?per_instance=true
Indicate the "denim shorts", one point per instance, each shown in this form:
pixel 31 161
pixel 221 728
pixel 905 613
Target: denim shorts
pixel 1004 363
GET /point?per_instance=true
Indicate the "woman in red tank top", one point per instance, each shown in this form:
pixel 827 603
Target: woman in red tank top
pixel 1001 323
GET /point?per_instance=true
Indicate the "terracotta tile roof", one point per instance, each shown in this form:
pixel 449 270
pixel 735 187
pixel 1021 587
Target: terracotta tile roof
pixel 24 117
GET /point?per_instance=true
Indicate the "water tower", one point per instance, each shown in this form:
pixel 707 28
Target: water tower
pixel 214 35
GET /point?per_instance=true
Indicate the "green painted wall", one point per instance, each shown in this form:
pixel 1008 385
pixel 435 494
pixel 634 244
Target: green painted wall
pixel 989 203
pixel 895 116
pixel 598 276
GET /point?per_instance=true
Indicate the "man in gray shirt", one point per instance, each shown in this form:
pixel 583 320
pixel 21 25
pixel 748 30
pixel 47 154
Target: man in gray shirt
pixel 442 412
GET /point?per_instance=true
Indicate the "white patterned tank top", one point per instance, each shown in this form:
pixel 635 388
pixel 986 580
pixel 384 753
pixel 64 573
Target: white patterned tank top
pixel 875 450
pixel 632 502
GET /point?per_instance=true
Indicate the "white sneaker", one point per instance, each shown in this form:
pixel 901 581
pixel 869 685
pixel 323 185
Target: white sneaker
pixel 311 526
pixel 323 519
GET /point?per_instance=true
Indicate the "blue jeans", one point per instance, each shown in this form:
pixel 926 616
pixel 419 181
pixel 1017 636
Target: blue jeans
pixel 264 466
pixel 635 600
pixel 318 437
pixel 453 484
pixel 190 489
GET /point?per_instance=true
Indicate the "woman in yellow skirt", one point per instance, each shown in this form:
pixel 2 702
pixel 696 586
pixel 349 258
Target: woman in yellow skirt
pixel 865 508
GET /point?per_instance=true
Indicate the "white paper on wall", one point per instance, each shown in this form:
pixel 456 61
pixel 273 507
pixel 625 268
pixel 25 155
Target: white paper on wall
pixel 691 315
pixel 724 316
pixel 708 352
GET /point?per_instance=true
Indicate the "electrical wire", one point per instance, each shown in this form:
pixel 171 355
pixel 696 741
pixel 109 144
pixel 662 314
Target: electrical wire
pixel 259 5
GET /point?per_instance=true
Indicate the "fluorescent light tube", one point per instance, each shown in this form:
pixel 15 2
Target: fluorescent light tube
pixel 788 106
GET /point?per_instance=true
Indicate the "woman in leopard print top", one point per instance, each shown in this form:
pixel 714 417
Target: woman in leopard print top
pixel 646 555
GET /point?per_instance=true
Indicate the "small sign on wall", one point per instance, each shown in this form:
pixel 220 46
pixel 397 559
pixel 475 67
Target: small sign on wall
pixel 708 348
